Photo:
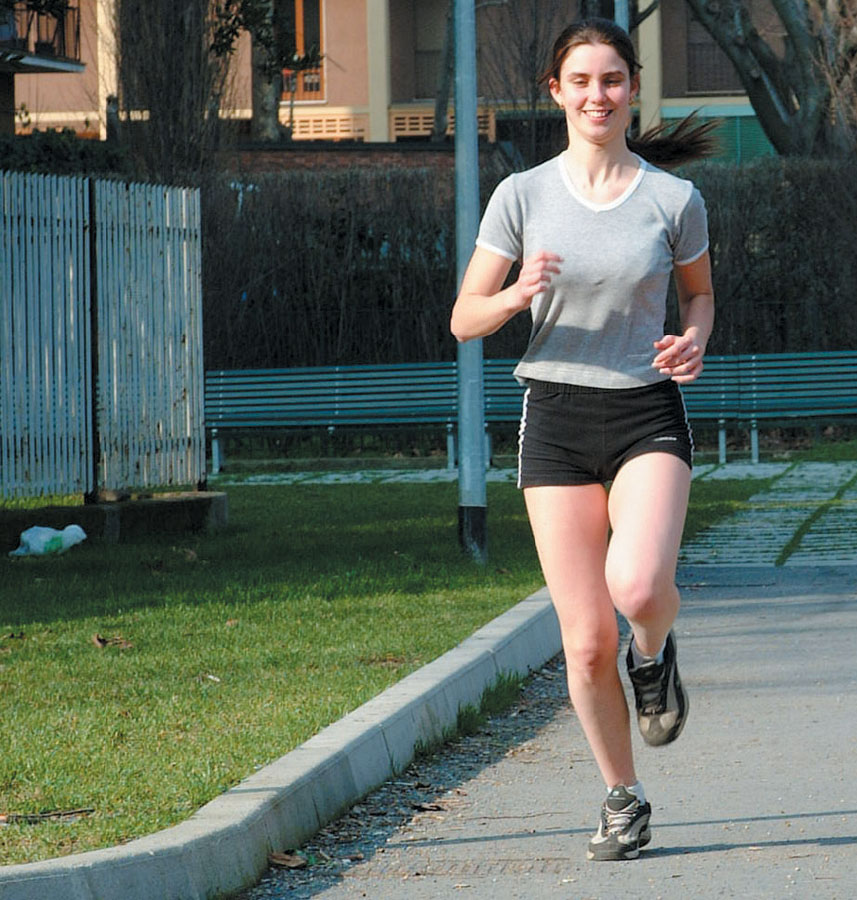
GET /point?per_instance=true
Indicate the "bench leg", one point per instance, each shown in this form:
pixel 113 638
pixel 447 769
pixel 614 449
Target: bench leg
pixel 487 448
pixel 754 442
pixel 721 443
pixel 216 457
pixel 450 447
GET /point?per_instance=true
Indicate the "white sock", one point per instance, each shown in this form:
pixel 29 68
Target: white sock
pixel 636 789
pixel 640 660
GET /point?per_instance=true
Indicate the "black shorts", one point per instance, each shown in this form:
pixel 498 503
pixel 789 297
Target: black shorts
pixel 572 434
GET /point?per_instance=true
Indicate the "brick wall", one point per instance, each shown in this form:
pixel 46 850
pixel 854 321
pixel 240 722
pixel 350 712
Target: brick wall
pixel 337 155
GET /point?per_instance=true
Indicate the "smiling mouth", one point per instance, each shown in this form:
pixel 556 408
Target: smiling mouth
pixel 597 113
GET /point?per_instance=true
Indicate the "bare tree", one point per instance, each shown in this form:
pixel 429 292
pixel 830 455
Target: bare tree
pixel 796 91
pixel 171 86
pixel 518 35
pixel 835 22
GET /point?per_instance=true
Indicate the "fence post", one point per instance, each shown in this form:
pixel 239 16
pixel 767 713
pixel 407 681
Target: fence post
pixel 91 496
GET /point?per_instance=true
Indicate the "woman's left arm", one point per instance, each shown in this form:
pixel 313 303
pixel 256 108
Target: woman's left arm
pixel 680 356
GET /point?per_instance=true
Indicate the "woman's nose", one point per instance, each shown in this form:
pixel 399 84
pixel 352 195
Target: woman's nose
pixel 596 91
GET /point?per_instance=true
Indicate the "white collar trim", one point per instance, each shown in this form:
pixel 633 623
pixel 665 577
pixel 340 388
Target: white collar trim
pixel 602 207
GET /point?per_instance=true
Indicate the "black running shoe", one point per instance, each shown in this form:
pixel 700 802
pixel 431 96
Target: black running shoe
pixel 662 702
pixel 624 827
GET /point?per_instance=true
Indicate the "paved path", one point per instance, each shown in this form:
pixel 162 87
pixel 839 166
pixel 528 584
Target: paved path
pixel 807 516
pixel 755 800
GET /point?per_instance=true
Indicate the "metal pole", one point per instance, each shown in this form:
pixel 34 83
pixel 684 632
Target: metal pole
pixel 621 14
pixel 472 503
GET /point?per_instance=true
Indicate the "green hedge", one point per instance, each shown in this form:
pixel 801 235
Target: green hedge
pixel 315 268
pixel 60 153
pixel 784 253
pixel 312 268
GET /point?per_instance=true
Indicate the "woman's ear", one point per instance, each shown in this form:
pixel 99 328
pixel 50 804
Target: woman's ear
pixel 635 87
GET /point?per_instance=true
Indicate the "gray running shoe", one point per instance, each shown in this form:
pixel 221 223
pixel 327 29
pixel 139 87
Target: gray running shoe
pixel 624 827
pixel 662 702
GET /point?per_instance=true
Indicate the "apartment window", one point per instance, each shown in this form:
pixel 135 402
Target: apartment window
pixel 299 23
pixel 709 70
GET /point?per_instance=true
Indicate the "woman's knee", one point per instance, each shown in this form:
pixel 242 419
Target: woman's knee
pixel 591 653
pixel 641 594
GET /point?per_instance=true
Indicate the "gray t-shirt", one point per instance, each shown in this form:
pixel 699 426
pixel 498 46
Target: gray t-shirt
pixel 596 323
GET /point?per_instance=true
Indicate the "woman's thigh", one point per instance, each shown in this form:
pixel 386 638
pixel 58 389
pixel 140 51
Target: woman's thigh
pixel 647 509
pixel 570 527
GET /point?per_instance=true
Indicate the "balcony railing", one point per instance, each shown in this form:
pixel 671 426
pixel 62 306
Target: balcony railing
pixel 39 34
pixel 307 84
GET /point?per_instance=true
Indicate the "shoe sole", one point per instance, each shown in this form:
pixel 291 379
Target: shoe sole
pixel 608 854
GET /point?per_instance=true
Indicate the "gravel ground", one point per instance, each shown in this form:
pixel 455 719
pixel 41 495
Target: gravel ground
pixel 430 790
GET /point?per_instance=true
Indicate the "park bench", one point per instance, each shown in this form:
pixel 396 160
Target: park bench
pixel 745 390
pixel 783 387
pixel 328 397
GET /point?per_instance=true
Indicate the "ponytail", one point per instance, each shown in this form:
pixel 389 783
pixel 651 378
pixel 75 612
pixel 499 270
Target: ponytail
pixel 667 145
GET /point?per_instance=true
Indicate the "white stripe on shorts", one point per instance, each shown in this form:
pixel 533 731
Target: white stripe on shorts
pixel 521 429
pixel 687 425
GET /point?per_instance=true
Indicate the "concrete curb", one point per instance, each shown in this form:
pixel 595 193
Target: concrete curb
pixel 224 846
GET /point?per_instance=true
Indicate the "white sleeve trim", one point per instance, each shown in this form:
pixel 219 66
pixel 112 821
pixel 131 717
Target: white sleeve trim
pixel 490 247
pixel 694 258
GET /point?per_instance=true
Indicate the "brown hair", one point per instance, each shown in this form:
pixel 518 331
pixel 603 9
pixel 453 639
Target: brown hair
pixel 663 144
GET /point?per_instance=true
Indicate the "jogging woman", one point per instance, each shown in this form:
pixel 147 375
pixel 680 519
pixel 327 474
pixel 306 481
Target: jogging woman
pixel 599 231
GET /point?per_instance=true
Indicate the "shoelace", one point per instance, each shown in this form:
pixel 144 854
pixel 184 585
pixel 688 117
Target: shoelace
pixel 618 819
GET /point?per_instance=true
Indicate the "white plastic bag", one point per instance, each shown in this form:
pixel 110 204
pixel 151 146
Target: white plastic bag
pixel 39 540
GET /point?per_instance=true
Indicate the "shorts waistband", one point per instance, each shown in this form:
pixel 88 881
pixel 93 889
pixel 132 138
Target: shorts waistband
pixel 558 387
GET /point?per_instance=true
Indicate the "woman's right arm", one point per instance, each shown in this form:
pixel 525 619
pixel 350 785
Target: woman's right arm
pixel 483 306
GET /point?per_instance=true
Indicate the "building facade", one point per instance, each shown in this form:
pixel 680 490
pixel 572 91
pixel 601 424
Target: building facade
pixel 383 66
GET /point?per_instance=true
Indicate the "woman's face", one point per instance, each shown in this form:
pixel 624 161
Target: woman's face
pixel 595 90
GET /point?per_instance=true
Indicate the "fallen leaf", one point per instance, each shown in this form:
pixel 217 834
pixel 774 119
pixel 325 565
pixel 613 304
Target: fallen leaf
pixel 231 623
pixel 287 860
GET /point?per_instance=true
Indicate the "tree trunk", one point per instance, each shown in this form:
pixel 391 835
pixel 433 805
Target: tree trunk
pixel 444 83
pixel 265 124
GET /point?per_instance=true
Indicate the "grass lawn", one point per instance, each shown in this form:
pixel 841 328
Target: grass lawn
pixel 219 653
